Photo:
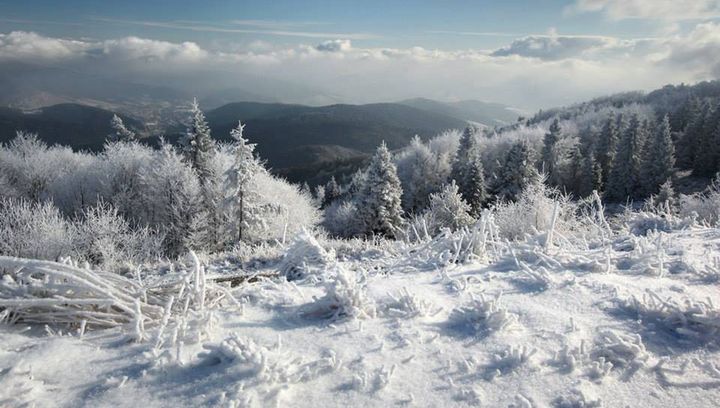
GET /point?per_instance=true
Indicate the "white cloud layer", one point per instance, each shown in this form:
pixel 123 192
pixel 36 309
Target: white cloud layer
pixel 530 72
pixel 650 9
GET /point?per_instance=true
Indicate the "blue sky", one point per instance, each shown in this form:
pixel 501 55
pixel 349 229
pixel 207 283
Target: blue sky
pixel 529 54
pixel 449 24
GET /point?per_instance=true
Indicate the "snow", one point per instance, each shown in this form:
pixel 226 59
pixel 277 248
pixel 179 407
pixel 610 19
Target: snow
pixel 635 321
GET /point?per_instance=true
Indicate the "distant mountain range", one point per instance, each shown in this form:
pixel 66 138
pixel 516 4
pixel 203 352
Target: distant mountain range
pixel 302 143
pixel 78 126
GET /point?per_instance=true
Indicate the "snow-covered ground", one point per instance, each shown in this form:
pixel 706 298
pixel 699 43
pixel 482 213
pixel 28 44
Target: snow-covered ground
pixel 634 322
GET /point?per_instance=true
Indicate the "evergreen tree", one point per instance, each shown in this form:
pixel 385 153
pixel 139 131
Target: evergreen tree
pixel 447 209
pixel 687 141
pixel 379 207
pixel 593 173
pixel 549 157
pixel 467 147
pixel 198 145
pixel 659 160
pixel 243 196
pixel 199 150
pixel 474 190
pixel 623 181
pixel 607 146
pixel 467 171
pixel 121 132
pixel 705 160
pixel 332 192
pixel 516 173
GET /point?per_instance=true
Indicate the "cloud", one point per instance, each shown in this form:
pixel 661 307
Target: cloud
pixel 649 9
pixel 530 72
pixel 334 46
pixel 698 52
pixel 28 45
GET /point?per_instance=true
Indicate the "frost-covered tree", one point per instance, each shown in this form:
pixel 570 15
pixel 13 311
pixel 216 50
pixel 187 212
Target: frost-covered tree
pixel 659 159
pixel 549 156
pixel 332 192
pixel 466 149
pixel 243 201
pixel 419 174
pixel 173 196
pixel 706 150
pixel 623 181
pixel 379 208
pixel 592 176
pixel 200 150
pixel 120 132
pixel 607 146
pixel 516 173
pixel 694 123
pixel 448 209
pixel 468 170
pixel 474 190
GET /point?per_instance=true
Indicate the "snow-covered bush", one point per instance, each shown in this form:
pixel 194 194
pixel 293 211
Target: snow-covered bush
pixel 103 237
pixel 286 209
pixel 533 213
pixel 483 316
pixel 692 319
pixel 305 256
pixel 703 208
pixel 341 219
pixel 409 305
pixel 447 210
pixel 37 231
pixel 619 350
pixel 512 359
pixel 345 297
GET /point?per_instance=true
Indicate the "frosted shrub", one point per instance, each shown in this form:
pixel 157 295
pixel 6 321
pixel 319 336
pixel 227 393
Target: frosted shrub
pixel 512 359
pixel 533 213
pixel 483 316
pixel 345 297
pixel 408 305
pixel 341 219
pixel 34 230
pixel 237 350
pixel 304 256
pixel 696 320
pixel 105 238
pixel 448 210
pixel 619 350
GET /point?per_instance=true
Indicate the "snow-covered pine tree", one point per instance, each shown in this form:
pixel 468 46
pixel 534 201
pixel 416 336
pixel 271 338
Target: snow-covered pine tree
pixel 593 175
pixel 468 172
pixel 706 152
pixel 475 191
pixel 549 157
pixel 623 181
pixel 467 147
pixel 447 209
pixel 332 192
pixel 198 146
pixel 659 158
pixel 199 151
pixel 693 120
pixel 243 198
pixel 516 173
pixel 120 132
pixel 379 207
pixel 607 146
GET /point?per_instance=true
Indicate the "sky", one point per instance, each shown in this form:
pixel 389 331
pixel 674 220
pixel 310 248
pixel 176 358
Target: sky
pixel 528 54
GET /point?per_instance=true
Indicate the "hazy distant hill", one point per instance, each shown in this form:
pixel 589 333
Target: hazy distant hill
pixel 294 138
pixel 78 126
pixel 487 113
